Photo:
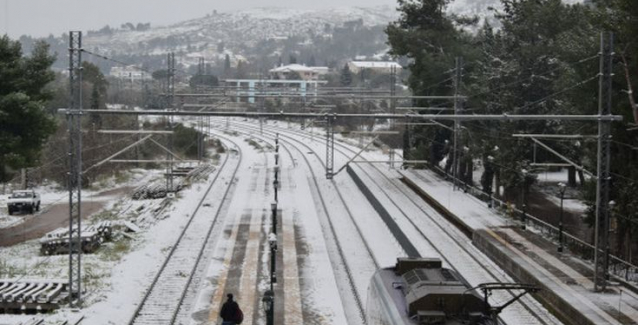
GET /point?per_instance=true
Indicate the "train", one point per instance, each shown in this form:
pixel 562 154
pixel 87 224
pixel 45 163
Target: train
pixel 420 291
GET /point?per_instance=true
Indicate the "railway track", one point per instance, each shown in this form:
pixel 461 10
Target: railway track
pixel 443 238
pixel 436 230
pixel 335 233
pixel 163 300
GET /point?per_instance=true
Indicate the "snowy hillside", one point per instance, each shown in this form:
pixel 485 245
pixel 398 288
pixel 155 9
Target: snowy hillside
pixel 266 34
pixel 239 29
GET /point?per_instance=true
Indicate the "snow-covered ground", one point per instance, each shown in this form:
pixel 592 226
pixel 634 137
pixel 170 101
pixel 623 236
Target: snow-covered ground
pixel 332 238
pixel 52 194
pixel 48 195
pixel 471 263
pixel 118 273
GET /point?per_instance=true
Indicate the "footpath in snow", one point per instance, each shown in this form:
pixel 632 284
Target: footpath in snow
pixel 566 281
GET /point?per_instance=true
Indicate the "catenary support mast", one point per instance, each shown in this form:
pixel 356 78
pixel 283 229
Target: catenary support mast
pixel 74 118
pixel 170 91
pixel 457 123
pixel 601 263
pixel 330 146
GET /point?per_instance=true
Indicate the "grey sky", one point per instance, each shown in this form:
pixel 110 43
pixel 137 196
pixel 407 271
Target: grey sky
pixel 44 17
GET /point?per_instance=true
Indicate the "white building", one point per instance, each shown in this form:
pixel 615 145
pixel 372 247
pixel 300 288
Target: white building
pixel 304 72
pixel 376 66
pixel 131 73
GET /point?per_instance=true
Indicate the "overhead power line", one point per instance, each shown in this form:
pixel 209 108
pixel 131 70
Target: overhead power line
pixel 117 61
pixel 491 90
pixel 557 93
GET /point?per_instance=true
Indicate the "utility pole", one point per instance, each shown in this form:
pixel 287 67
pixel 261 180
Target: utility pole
pixel 201 72
pixel 330 145
pixel 393 89
pixel 261 102
pixel 75 168
pixel 393 104
pixel 170 91
pixel 139 137
pixel 604 137
pixel 457 124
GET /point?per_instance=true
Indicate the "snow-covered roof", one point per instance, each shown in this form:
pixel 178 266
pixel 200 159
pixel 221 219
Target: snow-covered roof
pixel 375 64
pixel 298 68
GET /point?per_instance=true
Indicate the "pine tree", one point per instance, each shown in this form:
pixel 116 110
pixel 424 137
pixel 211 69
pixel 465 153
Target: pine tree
pixel 432 40
pixel 24 125
pixel 346 76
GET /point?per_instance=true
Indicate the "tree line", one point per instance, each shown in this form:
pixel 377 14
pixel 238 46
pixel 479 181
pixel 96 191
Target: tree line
pixel 535 57
pixel 34 135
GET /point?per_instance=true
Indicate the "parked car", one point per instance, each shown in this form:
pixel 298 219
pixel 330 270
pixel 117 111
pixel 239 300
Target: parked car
pixel 27 200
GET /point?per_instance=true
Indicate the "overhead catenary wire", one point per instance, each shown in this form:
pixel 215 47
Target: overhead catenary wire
pixel 529 78
pixel 84 150
pixel 131 65
pixel 562 91
pixel 434 85
pixel 559 141
pixel 491 117
pixel 491 90
pixel 104 57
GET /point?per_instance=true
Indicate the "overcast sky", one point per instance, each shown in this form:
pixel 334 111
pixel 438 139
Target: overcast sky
pixel 44 17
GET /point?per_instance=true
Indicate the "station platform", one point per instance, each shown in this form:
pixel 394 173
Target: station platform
pixel 565 279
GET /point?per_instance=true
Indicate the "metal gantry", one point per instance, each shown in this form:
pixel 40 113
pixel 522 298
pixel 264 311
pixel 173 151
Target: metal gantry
pixel 73 118
pixel 330 119
pixel 601 263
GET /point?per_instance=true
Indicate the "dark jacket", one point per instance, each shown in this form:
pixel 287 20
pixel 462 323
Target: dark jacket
pixel 229 311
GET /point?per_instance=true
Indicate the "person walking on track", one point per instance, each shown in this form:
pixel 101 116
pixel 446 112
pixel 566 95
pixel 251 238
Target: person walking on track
pixel 231 314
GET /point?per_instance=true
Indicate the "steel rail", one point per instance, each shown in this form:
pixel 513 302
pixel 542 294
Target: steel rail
pixel 348 271
pixel 438 223
pixel 441 226
pixel 154 283
pixel 208 234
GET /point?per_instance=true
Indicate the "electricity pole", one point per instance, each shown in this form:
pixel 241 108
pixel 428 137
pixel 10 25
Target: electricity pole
pixel 200 119
pixel 457 123
pixel 393 90
pixel 602 189
pixel 330 145
pixel 75 168
pixel 170 92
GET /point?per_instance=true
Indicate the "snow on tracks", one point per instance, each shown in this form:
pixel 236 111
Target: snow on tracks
pixel 163 299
